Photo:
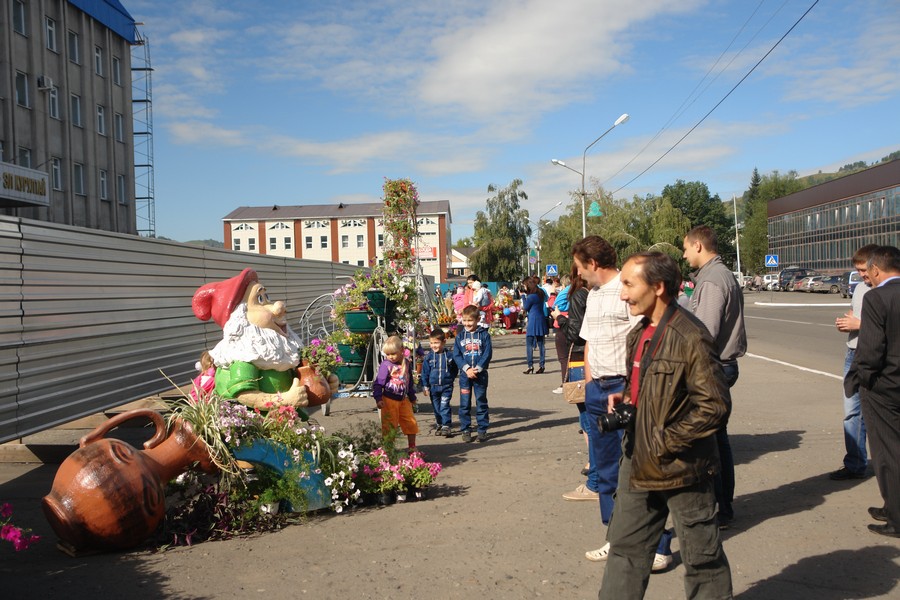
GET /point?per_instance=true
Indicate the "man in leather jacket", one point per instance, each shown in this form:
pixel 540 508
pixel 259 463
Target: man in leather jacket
pixel 669 457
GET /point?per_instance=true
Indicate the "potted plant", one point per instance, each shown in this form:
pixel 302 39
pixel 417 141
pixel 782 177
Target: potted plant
pixel 351 308
pixel 419 474
pixel 320 360
pixel 352 350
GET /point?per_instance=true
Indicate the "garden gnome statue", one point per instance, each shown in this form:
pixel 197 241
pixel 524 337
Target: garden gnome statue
pixel 256 360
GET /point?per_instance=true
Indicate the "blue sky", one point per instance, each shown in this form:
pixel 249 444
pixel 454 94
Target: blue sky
pixel 260 102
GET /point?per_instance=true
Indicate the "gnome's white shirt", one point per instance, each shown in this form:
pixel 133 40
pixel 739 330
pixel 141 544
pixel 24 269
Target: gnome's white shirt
pixel 261 347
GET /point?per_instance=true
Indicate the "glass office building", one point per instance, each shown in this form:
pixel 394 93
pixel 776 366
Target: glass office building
pixel 821 227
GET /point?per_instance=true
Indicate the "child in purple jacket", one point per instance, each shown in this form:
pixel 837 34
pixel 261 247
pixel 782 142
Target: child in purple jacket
pixel 394 392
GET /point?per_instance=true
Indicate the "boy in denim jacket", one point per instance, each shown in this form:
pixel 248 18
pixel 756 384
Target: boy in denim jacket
pixel 438 373
pixel 472 354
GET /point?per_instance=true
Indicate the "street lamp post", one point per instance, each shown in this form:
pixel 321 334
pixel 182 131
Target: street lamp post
pixel 619 121
pixel 538 223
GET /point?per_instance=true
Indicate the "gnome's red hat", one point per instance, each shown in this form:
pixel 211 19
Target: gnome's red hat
pixel 218 299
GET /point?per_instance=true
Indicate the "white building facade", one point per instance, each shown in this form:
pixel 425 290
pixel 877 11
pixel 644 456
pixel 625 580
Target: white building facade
pixel 351 234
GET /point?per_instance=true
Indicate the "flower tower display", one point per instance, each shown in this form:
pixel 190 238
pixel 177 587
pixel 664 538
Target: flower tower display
pixel 399 216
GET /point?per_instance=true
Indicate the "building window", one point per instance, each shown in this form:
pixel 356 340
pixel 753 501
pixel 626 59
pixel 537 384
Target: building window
pixel 104 186
pixel 360 263
pixel 237 245
pixel 251 244
pixel 98 60
pixel 381 240
pixel 119 127
pixel 360 241
pixel 74 47
pixel 23 157
pixel 273 243
pixel 75 110
pixel 53 102
pixel 22 89
pixel 116 70
pixel 308 241
pixel 19 24
pixel 101 120
pixel 287 243
pixel 244 227
pixel 56 173
pixel 120 189
pixel 78 178
pixel 50 30
pixel 323 241
pixel 345 241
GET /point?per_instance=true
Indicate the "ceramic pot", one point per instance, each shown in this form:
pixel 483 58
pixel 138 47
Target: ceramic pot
pixel 318 389
pixel 108 495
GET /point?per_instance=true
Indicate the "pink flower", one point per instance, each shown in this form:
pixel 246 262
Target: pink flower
pixel 6 510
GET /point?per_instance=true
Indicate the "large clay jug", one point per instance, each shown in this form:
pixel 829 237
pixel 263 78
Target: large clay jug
pixel 318 389
pixel 108 495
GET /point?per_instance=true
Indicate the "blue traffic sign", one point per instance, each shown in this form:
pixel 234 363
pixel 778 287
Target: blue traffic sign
pixel 552 271
pixel 771 260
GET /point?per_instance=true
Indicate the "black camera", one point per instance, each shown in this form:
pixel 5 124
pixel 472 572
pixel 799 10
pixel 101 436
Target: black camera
pixel 622 417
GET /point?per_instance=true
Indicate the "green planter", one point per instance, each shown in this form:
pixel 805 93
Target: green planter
pixel 360 321
pixel 379 304
pixel 349 372
pixel 351 354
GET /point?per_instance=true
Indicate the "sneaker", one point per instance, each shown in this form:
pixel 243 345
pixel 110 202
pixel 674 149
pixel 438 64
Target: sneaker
pixel 481 436
pixel 467 436
pixel 443 431
pixel 661 562
pixel 582 493
pixel 598 555
pixel 844 473
pixel 558 390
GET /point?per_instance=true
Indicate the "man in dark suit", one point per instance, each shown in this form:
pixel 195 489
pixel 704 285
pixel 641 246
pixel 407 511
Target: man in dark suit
pixel 876 374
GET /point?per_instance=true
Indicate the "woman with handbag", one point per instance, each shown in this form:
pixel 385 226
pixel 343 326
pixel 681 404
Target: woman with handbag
pixel 536 330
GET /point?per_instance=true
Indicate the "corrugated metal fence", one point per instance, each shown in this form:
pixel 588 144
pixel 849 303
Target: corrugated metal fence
pixel 88 319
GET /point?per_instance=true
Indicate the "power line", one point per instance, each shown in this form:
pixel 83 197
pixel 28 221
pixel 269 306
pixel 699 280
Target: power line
pixel 725 97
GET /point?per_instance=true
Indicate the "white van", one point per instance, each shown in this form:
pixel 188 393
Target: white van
pixel 769 279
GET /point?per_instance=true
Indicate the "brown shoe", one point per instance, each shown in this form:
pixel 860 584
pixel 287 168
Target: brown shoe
pixel 582 493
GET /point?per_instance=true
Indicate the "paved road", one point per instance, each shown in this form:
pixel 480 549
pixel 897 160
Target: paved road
pixel 497 526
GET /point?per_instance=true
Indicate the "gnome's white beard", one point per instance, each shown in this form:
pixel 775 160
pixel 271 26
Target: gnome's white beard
pixel 263 348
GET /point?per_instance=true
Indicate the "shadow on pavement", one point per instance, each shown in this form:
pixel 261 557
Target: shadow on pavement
pixel 833 576
pixel 747 447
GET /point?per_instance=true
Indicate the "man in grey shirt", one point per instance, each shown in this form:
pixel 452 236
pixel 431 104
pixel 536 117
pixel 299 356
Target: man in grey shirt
pixel 719 304
pixel 855 458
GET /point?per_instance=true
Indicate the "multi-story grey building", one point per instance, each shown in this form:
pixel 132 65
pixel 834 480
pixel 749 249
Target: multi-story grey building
pixel 66 139
pixel 821 227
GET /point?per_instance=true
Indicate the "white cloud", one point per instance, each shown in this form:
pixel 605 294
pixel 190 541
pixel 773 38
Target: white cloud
pixel 198 132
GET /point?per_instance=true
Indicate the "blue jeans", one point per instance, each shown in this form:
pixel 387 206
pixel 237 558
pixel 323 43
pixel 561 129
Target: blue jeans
pixel 440 402
pixel 724 481
pixel 530 342
pixel 605 448
pixel 856 458
pixel 478 388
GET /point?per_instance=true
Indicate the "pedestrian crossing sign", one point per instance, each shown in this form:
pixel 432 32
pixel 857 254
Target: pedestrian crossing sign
pixel 771 260
pixel 552 271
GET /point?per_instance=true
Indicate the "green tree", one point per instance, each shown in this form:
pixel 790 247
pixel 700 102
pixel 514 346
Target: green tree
pixel 501 235
pixel 465 242
pixel 695 202
pixel 755 238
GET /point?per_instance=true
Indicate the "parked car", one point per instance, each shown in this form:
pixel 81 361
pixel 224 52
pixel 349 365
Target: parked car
pixel 770 280
pixel 802 284
pixel 791 274
pixel 849 281
pixel 830 284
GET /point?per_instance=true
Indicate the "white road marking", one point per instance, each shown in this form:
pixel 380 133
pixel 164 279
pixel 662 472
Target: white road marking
pixel 787 364
pixel 789 321
pixel 801 305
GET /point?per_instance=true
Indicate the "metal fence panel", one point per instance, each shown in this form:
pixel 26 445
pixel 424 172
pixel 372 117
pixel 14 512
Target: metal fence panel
pixel 90 320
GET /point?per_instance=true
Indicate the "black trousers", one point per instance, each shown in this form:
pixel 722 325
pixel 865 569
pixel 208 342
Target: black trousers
pixel 882 418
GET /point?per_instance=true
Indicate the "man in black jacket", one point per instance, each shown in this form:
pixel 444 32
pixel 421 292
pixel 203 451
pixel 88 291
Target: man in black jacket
pixel 669 458
pixel 875 372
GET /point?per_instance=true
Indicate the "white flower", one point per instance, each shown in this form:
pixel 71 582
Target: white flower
pixel 329 481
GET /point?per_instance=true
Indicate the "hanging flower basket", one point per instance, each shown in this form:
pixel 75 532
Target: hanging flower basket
pixel 379 304
pixel 360 321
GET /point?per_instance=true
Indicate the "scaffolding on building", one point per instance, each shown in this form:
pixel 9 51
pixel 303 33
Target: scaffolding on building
pixel 142 126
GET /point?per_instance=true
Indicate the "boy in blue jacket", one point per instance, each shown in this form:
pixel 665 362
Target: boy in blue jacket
pixel 472 354
pixel 438 373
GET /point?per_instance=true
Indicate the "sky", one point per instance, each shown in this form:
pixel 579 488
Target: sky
pixel 293 102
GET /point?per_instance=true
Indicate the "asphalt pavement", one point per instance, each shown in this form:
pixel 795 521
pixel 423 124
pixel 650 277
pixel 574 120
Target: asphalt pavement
pixel 496 524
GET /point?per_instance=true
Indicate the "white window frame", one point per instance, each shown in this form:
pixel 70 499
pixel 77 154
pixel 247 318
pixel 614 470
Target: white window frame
pixel 273 243
pixel 75 110
pixel 288 243
pixel 104 185
pixel 323 242
pixel 345 241
pixel 23 157
pixel 308 242
pixel 50 31
pixel 22 98
pixel 56 173
pixel 251 244
pixel 236 244
pixel 73 45
pixel 119 127
pixel 381 240
pixel 360 240
pixel 78 179
pixel 116 70
pixel 121 196
pixel 20 20
pixel 53 102
pixel 101 119
pixel 98 60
